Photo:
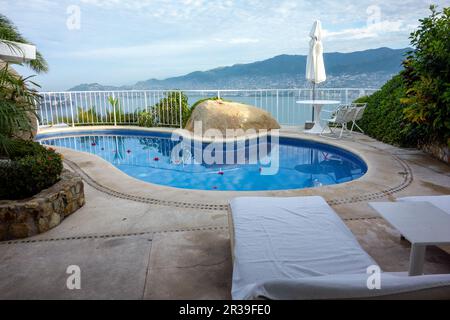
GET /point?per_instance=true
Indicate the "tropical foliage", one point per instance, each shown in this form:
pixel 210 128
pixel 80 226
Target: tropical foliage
pixel 146 119
pixel 26 167
pixel 17 107
pixel 427 76
pixel 31 169
pixel 9 32
pixel 414 107
pixel 167 110
pixel 384 118
pixel 88 116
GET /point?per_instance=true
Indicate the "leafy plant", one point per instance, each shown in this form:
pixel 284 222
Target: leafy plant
pixel 145 119
pixel 115 114
pixel 88 116
pixel 31 169
pixel 427 77
pixel 9 32
pixel 25 166
pixel 17 106
pixel 167 110
pixel 414 107
pixel 384 117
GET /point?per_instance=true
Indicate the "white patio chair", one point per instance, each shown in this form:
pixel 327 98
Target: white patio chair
pixel 343 115
pixel 360 108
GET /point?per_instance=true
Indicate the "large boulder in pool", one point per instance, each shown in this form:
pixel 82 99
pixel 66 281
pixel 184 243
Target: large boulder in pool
pixel 222 115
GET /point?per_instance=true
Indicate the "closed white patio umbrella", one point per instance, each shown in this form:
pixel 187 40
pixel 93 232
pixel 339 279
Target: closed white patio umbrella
pixel 315 68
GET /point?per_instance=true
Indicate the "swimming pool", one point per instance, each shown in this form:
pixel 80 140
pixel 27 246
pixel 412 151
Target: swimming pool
pixel 149 156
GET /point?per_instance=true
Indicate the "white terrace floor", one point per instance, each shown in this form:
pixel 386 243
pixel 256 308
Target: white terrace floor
pixel 136 241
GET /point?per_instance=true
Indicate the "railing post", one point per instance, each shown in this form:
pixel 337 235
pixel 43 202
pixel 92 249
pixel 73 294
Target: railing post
pixel 145 101
pixel 71 109
pixel 346 96
pixel 278 105
pixel 114 108
pixel 218 94
pixel 181 111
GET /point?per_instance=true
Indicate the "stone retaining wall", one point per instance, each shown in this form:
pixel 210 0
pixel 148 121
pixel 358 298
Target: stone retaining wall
pixel 442 152
pixel 44 211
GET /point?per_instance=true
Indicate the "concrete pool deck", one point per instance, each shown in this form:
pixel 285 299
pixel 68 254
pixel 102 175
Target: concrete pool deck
pixel 133 240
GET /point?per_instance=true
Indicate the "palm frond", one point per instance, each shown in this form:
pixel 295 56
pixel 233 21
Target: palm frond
pixel 9 32
pixel 17 107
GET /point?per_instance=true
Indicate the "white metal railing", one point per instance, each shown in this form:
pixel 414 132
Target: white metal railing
pixel 165 107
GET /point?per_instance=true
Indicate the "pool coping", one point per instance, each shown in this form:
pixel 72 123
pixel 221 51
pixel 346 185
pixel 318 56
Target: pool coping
pixel 386 175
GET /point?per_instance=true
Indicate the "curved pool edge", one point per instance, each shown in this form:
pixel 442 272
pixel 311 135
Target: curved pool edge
pixel 282 140
pixel 379 179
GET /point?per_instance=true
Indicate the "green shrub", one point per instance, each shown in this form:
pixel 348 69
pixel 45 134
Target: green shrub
pixel 117 113
pixel 24 148
pixel 384 118
pixel 128 118
pixel 427 77
pixel 30 169
pixel 167 110
pixel 88 116
pixel 145 119
pixel 17 104
pixel 414 107
pixel 65 119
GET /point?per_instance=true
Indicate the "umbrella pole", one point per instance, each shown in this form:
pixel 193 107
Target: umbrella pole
pixel 314 99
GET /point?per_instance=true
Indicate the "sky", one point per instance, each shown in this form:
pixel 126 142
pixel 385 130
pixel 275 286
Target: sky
pixel 120 42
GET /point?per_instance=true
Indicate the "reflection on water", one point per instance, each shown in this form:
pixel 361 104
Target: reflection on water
pixel 301 164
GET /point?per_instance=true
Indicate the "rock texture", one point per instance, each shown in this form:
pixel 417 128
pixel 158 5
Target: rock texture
pixel 442 152
pixel 44 211
pixel 222 115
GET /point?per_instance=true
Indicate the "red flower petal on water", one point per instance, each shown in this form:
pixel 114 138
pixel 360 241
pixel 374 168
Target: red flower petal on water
pixel 214 187
pixel 128 151
pixel 221 173
pixel 156 158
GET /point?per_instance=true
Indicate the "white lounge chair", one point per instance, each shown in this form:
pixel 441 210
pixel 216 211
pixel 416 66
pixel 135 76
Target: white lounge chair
pixel 359 112
pixel 341 117
pixel 299 248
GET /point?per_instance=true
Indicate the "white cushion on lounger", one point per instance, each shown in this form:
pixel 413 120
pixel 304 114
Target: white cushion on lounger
pixel 298 248
pixel 441 202
pixel 288 239
pixel 354 286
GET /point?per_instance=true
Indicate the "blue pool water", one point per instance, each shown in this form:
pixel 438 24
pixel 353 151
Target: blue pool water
pixel 148 156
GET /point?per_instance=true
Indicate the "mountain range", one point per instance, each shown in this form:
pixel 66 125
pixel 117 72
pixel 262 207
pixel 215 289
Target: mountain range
pixel 362 69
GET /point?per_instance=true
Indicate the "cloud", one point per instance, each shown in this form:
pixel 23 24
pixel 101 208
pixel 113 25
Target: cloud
pixel 178 9
pixel 375 30
pixel 165 48
pixel 243 40
pixel 156 49
pixel 167 37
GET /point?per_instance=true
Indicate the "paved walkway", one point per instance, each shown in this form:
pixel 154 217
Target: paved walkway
pixel 135 250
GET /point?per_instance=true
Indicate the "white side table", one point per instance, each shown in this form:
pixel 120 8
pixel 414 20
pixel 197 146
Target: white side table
pixel 420 223
pixel 317 104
